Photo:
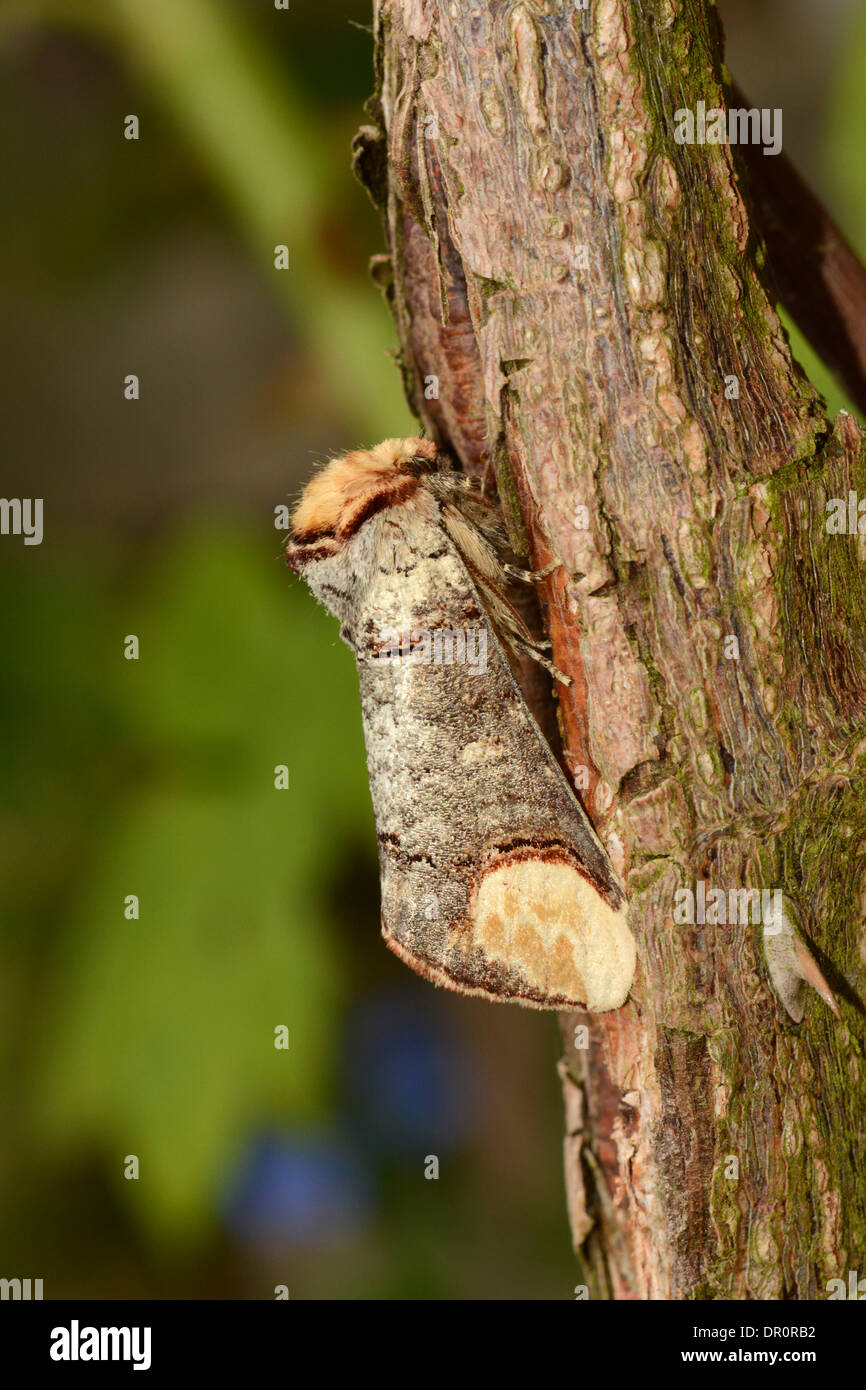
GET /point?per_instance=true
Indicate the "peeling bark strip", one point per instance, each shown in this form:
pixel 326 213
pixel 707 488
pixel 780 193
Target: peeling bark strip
pixel 583 292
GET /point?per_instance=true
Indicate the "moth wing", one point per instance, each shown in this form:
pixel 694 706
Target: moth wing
pixel 494 882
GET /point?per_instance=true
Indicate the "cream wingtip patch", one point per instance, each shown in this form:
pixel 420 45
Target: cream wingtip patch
pixel 546 921
pixel 538 934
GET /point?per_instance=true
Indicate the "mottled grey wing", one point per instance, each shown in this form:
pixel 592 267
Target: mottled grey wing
pixel 493 880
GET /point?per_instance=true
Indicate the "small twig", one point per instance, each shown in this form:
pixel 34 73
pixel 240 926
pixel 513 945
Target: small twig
pixel 816 274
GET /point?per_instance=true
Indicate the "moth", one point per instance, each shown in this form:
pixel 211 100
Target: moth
pixel 493 881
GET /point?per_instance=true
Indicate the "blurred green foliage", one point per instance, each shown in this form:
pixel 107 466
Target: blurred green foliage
pixel 210 67
pixel 157 1034
pixel 263 150
pixel 845 142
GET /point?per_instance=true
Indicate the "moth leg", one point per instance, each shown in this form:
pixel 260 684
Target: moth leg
pixel 531 649
pixel 530 576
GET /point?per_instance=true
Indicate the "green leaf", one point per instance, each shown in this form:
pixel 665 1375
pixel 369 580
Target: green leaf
pixel 158 1033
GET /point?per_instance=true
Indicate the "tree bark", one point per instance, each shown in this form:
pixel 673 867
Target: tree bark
pixel 586 295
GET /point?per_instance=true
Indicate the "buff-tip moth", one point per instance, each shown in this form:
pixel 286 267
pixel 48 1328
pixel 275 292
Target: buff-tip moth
pixel 493 881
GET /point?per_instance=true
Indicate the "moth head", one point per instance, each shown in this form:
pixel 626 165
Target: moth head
pixel 349 490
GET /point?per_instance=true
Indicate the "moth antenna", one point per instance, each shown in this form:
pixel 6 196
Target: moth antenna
pixel 456 482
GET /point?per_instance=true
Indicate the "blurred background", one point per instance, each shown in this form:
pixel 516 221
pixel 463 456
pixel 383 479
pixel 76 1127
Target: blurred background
pixel 152 1037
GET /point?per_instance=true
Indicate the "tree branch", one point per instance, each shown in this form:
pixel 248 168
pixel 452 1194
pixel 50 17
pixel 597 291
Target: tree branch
pixel 585 291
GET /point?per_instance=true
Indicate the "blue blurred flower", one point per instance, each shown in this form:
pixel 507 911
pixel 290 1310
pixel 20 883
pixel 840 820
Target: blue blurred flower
pixel 297 1189
pixel 409 1082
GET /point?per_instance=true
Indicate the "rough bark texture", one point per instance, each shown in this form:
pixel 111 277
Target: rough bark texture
pixel 582 286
